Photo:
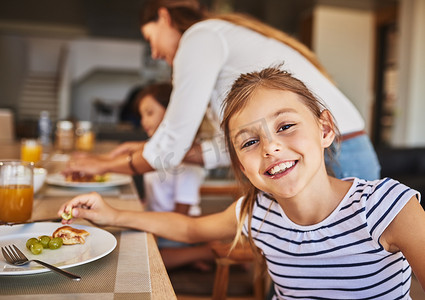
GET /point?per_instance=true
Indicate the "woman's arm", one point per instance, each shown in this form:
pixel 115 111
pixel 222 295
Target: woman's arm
pixel 130 163
pixel 126 148
pixel 169 225
pixel 406 233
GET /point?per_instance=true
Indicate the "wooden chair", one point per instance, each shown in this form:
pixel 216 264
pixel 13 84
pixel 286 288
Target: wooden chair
pixel 241 254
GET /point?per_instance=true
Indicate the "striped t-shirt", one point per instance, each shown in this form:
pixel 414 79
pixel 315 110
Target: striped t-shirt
pixel 340 257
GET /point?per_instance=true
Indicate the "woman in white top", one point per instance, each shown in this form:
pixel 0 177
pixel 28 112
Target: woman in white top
pixel 207 54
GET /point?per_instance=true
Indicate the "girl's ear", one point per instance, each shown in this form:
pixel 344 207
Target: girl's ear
pixel 328 128
pixel 164 15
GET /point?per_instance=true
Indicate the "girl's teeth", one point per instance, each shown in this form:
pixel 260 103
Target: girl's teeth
pixel 281 167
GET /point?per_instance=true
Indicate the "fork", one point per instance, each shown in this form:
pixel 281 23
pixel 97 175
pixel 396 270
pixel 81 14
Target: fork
pixel 14 256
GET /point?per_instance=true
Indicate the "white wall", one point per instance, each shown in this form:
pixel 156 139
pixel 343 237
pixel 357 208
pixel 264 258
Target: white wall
pixel 88 55
pixel 106 70
pixel 343 40
pixel 409 118
pixel 91 54
pixel 111 88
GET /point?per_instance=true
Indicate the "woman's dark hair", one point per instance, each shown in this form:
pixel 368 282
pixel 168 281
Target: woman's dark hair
pixel 184 13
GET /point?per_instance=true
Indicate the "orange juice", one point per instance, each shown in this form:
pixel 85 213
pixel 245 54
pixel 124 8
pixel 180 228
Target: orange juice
pixel 16 202
pixel 31 151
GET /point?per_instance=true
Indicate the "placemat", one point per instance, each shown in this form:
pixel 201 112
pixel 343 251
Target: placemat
pixel 123 274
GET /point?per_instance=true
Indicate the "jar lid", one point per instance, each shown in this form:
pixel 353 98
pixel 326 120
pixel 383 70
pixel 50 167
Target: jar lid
pixel 86 125
pixel 64 125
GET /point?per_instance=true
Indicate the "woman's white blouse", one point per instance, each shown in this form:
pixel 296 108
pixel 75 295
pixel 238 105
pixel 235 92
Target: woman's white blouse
pixel 210 56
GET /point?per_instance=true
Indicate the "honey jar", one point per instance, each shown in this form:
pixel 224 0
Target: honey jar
pixel 84 136
pixel 64 135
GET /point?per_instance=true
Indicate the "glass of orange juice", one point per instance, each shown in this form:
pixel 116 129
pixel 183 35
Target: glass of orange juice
pixel 31 150
pixel 16 190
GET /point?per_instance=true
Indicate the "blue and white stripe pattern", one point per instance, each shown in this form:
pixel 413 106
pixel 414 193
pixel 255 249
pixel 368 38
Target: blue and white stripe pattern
pixel 340 257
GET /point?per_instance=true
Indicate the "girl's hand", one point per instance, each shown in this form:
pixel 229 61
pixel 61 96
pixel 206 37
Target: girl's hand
pixel 91 207
pixel 126 148
pixel 194 155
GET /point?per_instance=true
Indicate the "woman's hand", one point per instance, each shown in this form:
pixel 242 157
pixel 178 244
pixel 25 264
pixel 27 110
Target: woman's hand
pixel 87 164
pixel 91 207
pixel 126 148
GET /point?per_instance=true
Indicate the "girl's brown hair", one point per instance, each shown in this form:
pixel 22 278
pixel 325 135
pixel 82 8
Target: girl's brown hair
pixel 241 92
pixel 185 13
pixel 161 92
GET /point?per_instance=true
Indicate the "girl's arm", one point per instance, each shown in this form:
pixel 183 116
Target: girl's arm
pixel 194 155
pixel 170 225
pixel 406 233
pixel 182 208
pixel 178 227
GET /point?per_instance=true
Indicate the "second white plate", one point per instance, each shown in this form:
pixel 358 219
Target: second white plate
pixel 114 179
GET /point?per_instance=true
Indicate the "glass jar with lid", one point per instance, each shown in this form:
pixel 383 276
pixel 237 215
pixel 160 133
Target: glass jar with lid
pixel 64 135
pixel 84 136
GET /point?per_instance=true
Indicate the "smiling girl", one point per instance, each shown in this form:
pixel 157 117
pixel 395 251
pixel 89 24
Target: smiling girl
pixel 321 237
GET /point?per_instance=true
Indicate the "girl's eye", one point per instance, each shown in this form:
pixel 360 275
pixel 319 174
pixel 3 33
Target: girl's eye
pixel 285 127
pixel 249 143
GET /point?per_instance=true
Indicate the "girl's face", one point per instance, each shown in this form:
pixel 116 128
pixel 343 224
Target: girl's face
pixel 280 143
pixel 151 113
pixel 162 37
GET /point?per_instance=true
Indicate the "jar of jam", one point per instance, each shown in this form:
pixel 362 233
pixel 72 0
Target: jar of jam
pixel 64 136
pixel 84 136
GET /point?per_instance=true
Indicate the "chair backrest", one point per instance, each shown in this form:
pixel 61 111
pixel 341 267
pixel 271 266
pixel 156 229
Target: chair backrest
pixel 7 127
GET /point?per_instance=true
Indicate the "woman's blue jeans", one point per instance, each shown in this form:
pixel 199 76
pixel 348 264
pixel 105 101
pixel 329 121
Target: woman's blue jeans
pixel 355 157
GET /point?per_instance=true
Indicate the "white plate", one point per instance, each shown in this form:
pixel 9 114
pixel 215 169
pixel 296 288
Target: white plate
pixel 98 244
pixel 114 179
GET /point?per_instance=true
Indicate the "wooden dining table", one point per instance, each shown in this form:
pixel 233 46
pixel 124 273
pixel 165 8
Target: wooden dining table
pixel 133 270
